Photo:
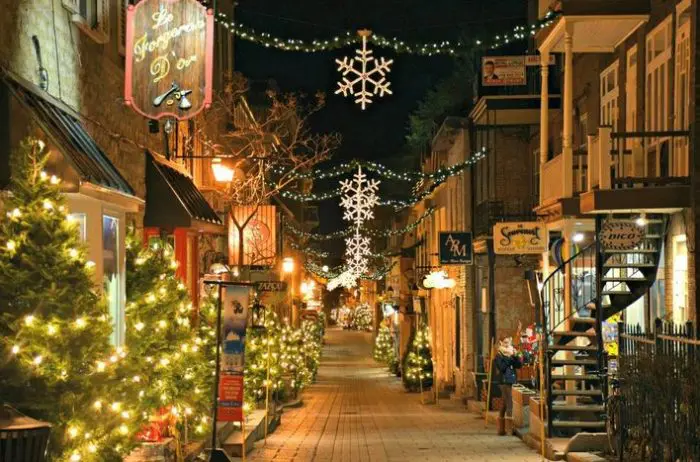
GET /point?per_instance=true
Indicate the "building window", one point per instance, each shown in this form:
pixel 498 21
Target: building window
pixel 680 279
pixel 658 69
pixel 81 224
pixel 112 276
pixel 679 161
pixel 91 17
pixel 631 91
pixel 458 332
pixel 609 93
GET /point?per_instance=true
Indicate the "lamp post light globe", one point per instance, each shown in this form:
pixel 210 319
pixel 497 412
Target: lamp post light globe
pixel 288 265
pixel 222 173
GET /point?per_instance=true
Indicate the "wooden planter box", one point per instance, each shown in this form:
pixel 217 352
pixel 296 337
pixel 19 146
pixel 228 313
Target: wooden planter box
pixel 521 408
pixel 160 451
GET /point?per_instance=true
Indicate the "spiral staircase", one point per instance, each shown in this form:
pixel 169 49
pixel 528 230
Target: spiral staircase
pixel 574 343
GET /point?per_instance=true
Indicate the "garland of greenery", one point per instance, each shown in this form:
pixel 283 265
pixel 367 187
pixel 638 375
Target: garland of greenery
pixel 443 47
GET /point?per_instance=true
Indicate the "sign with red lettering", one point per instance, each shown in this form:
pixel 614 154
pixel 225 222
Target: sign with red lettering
pixel 169 58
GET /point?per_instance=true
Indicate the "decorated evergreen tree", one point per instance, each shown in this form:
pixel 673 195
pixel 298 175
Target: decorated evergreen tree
pixel 312 342
pixel 166 354
pixel 259 344
pixel 293 360
pixel 383 351
pixel 362 318
pixel 418 365
pixel 57 361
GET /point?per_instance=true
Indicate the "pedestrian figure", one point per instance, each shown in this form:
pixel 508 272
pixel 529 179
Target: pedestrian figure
pixel 506 362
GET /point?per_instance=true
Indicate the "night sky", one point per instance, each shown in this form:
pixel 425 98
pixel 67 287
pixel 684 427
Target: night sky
pixel 377 133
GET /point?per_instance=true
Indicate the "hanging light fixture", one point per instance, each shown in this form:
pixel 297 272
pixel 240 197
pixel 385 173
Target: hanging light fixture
pixel 438 280
pixel 258 310
pixel 222 173
pixel 288 265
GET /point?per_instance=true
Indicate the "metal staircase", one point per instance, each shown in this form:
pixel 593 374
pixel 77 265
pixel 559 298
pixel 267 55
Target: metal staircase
pixel 574 351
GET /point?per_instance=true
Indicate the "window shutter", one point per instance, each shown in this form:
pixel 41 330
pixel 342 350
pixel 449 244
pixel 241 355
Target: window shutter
pixel 121 23
pixel 103 19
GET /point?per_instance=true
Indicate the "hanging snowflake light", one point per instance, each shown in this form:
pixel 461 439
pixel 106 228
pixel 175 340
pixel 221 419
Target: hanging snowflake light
pixel 359 198
pixel 365 72
pixel 357 251
pixel 346 279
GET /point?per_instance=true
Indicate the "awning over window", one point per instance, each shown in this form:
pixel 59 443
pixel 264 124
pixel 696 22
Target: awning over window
pixel 66 131
pixel 173 200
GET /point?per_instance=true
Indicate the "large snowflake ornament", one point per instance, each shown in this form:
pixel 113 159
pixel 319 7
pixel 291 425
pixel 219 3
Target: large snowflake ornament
pixel 359 198
pixel 365 72
pixel 346 279
pixel 357 251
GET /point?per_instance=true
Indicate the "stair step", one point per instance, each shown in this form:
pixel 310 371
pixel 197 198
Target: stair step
pixel 633 251
pixel 573 347
pixel 628 265
pixel 578 407
pixel 616 292
pixel 623 279
pixel 578 424
pixel 574 362
pixel 577 393
pixel 573 333
pixel 584 319
pixel 574 377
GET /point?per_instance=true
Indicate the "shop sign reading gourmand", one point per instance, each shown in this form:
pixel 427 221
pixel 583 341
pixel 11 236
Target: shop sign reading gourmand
pixel 169 58
pixel 514 238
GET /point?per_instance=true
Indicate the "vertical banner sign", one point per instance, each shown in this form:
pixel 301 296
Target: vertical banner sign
pixel 169 58
pixel 234 321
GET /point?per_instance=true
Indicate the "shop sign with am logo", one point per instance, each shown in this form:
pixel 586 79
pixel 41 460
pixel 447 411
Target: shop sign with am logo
pixel 455 248
pixel 620 235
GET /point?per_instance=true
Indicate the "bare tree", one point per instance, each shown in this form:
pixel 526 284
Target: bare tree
pixel 266 146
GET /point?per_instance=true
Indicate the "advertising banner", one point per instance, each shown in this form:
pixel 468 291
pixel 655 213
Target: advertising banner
pixel 235 301
pixel 518 238
pixel 169 58
pixel 498 71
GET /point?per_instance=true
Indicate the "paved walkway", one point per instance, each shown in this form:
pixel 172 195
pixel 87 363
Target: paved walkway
pixel 356 412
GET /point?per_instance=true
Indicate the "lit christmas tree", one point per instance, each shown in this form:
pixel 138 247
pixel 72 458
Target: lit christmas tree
pixel 383 351
pixel 362 318
pixel 58 364
pixel 262 344
pixel 312 342
pixel 418 366
pixel 167 356
pixel 293 360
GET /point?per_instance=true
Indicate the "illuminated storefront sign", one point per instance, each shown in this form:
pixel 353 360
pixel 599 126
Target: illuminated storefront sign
pixel 169 58
pixel 520 238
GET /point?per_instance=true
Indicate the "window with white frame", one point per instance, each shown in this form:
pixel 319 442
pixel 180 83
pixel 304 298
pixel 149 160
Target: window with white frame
pixel 658 69
pixel 91 16
pixel 679 159
pixel 609 94
pixel 631 108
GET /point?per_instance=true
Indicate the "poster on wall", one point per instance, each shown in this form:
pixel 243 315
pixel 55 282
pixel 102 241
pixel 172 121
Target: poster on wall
pixel 235 301
pixel 169 58
pixel 520 238
pixel 498 71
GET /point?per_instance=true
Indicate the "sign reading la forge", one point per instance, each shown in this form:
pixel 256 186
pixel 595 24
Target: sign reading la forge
pixel 169 58
pixel 517 238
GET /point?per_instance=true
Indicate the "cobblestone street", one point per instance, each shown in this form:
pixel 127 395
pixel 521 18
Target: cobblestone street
pixel 357 412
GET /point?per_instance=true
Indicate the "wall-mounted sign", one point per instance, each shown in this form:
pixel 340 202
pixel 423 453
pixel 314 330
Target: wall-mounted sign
pixel 620 235
pixel 455 248
pixel 536 60
pixel 235 300
pixel 499 71
pixel 258 224
pixel 271 286
pixel 517 238
pixel 169 58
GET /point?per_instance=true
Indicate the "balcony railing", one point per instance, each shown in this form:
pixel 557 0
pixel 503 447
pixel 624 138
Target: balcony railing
pixel 491 212
pixel 621 160
pixel 558 182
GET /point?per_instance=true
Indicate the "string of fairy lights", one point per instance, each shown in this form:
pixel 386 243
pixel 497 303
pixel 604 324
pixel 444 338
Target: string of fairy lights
pixel 442 47
pixel 437 177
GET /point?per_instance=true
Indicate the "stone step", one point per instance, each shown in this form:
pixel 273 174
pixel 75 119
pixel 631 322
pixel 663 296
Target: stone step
pixel 628 265
pixel 574 362
pixel 577 393
pixel 573 347
pixel 578 424
pixel 574 333
pixel 578 407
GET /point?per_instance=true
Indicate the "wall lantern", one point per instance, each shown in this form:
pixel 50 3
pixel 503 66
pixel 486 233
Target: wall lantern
pixel 258 310
pixel 222 173
pixel 288 265
pixel 438 280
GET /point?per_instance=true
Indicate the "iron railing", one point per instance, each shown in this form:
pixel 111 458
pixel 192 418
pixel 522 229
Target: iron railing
pixel 660 386
pixel 491 212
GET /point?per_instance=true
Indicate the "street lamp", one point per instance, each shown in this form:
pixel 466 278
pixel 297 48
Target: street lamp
pixel 390 292
pixel 325 268
pixel 288 265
